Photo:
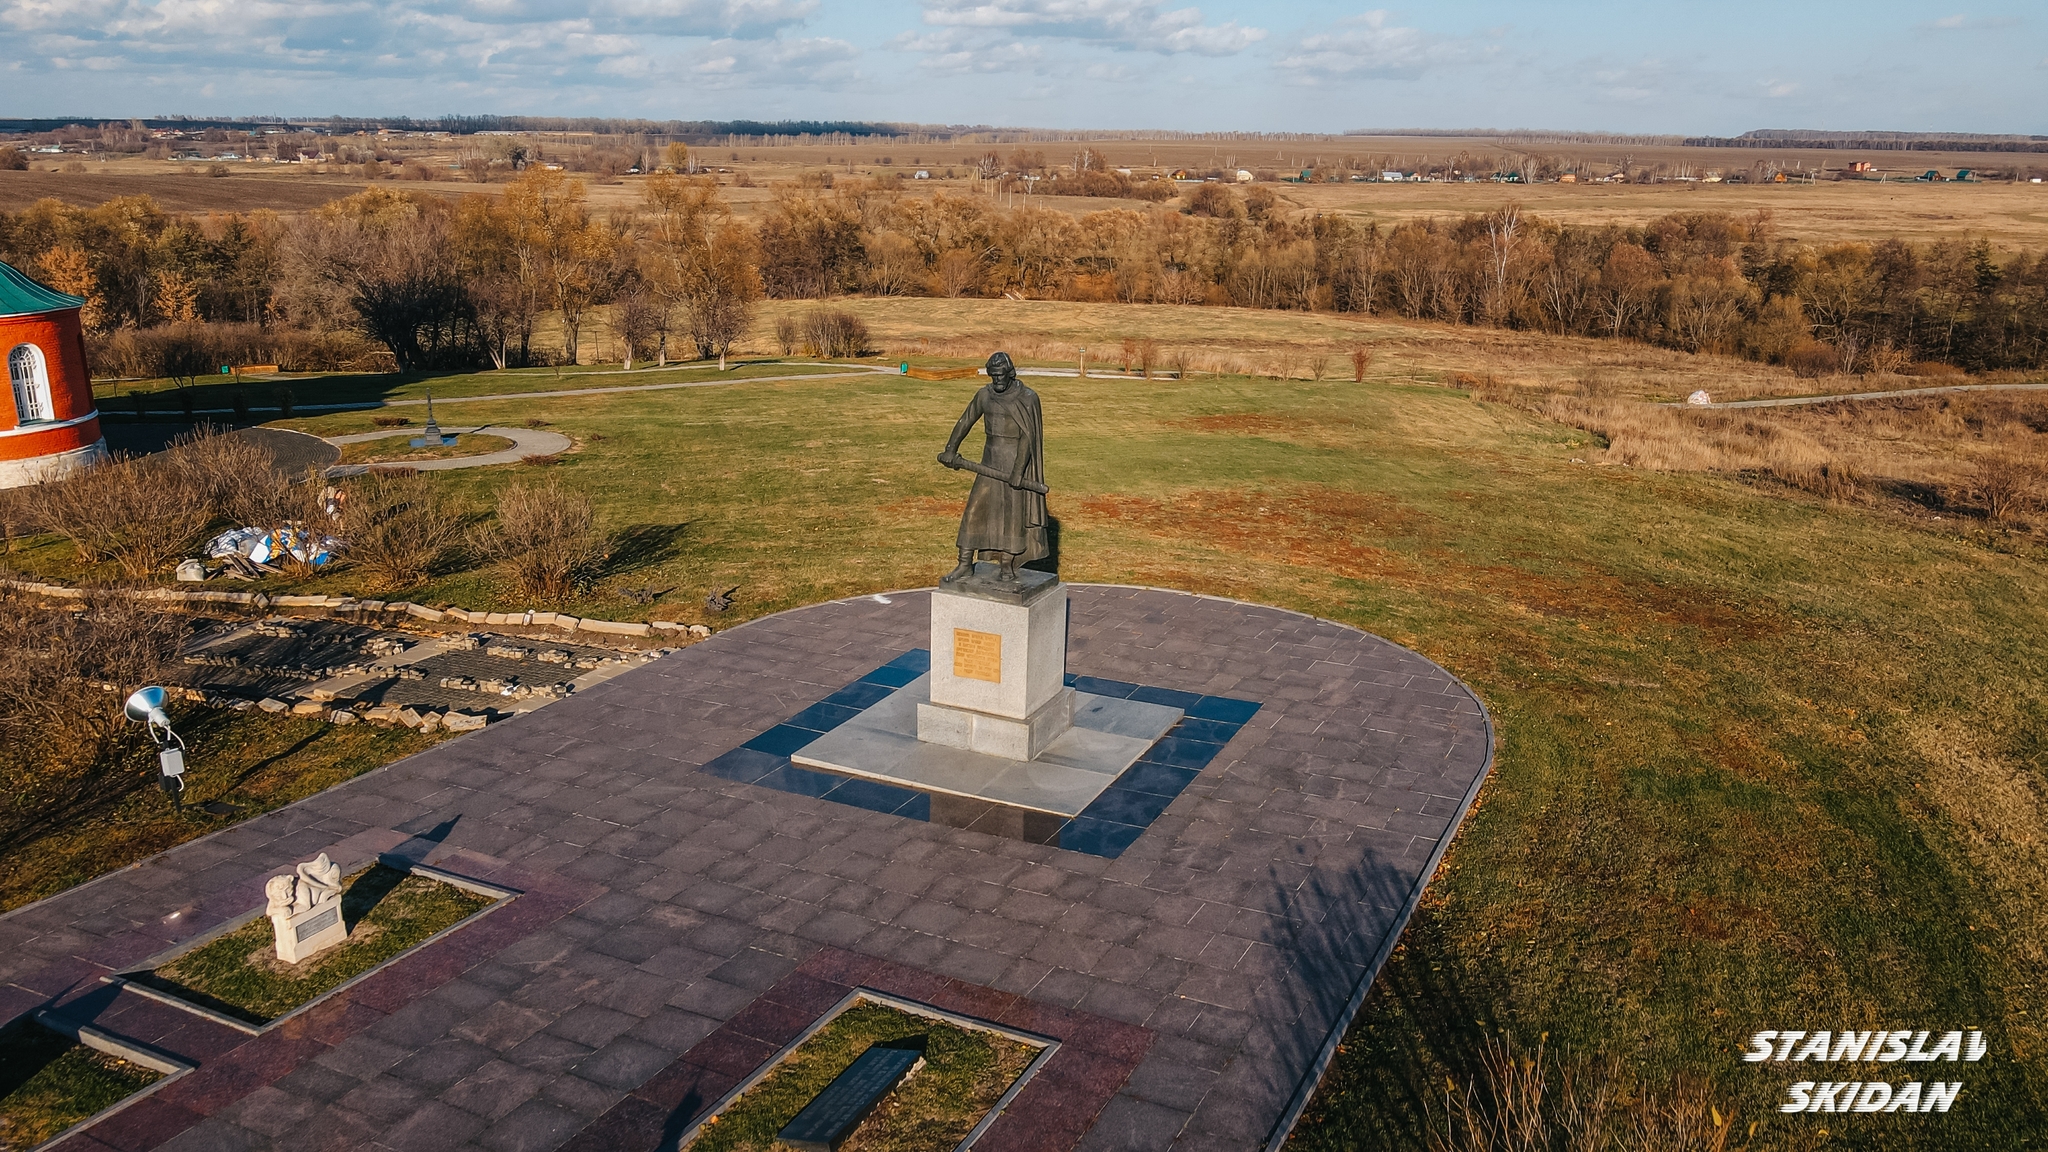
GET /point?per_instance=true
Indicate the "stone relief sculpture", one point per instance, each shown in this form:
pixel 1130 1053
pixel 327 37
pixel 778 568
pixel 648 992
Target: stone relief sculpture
pixel 305 908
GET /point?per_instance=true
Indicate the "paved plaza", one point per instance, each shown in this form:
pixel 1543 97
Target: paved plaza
pixel 675 927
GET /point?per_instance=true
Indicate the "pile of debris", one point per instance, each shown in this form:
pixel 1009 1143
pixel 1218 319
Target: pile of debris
pixel 345 672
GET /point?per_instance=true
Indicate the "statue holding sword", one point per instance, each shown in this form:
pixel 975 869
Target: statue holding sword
pixel 1005 515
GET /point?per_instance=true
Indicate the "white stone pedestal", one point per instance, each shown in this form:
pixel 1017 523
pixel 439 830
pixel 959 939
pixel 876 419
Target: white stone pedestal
pixel 999 662
pixel 314 930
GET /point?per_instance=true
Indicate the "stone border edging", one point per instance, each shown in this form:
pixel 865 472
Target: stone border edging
pixel 331 605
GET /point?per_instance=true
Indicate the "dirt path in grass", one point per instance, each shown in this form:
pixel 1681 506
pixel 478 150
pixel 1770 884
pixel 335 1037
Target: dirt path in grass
pixel 1795 401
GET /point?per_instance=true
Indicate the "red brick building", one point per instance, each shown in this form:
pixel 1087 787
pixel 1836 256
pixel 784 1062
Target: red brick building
pixel 49 426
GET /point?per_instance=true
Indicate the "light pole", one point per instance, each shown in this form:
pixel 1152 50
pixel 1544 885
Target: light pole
pixel 146 706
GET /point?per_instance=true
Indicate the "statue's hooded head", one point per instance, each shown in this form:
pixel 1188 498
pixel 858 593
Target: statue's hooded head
pixel 1001 373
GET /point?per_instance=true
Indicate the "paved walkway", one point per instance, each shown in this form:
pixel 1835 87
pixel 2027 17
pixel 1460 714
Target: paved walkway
pixel 525 442
pixel 1798 401
pixel 669 907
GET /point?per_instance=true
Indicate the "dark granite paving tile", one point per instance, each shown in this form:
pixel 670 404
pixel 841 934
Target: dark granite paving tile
pixel 744 765
pixel 861 694
pixel 781 740
pixel 1222 709
pixel 1171 697
pixel 1098 837
pixel 535 1126
pixel 890 677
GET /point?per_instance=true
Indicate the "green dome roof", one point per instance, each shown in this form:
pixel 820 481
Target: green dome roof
pixel 21 296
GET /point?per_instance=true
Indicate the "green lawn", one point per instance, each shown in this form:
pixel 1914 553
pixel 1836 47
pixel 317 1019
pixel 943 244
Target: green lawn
pixel 387 912
pixel 1765 761
pixel 250 760
pixel 48 1082
pixel 931 1110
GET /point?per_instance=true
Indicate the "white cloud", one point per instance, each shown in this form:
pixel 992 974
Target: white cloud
pixel 1369 47
pixel 534 45
pixel 1960 22
pixel 1779 89
pixel 1135 25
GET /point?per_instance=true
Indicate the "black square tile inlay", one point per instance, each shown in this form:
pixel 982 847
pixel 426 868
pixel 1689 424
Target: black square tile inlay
pixel 1106 827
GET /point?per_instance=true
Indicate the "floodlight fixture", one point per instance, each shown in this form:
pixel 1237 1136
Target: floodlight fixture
pixel 146 706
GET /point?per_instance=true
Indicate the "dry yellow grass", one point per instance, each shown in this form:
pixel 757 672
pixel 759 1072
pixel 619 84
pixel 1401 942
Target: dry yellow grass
pixel 2013 216
pixel 1252 342
pixel 1929 450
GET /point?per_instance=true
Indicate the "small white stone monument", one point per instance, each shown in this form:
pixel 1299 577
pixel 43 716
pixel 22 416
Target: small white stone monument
pixel 999 662
pixel 306 909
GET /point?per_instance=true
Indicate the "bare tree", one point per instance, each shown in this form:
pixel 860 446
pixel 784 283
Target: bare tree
pixel 560 246
pixel 385 254
pixel 1503 226
pixel 1628 282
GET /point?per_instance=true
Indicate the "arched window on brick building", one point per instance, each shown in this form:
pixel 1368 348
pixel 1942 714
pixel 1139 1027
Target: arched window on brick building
pixel 31 380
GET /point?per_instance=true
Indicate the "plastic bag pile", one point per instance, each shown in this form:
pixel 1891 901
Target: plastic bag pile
pixel 264 546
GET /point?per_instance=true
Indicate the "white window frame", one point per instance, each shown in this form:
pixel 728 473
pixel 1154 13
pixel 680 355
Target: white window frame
pixel 32 402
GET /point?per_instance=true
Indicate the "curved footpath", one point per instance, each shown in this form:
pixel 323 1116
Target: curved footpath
pixel 525 442
pixel 1798 401
pixel 368 405
pixel 677 927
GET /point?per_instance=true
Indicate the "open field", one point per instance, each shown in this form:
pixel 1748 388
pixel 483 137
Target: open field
pixel 1766 760
pixel 2014 216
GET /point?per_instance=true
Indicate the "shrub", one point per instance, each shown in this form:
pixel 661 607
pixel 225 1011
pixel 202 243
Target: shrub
pixel 142 513
pixel 64 746
pixel 1812 360
pixel 787 337
pixel 833 332
pixel 200 349
pixel 546 537
pixel 2002 485
pixel 1931 368
pixel 1361 359
pixel 400 527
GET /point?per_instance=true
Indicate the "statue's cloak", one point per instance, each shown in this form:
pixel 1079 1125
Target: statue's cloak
pixel 999 518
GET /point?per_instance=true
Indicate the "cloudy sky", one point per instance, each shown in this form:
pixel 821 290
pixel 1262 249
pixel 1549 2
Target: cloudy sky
pixel 1283 65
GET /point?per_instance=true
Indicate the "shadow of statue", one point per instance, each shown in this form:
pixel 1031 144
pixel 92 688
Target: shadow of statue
pixel 1050 562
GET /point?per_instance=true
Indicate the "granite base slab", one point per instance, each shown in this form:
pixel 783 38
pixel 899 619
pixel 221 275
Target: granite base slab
pixel 1108 736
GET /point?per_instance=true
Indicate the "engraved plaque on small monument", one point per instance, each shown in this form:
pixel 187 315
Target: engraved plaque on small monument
pixel 978 655
pixel 305 909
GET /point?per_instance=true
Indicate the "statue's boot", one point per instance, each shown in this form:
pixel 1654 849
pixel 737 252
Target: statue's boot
pixel 1008 572
pixel 965 569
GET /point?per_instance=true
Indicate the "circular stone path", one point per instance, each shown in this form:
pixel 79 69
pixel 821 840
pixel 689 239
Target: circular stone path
pixel 671 918
pixel 525 442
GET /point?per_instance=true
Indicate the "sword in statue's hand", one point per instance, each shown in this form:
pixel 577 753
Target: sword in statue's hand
pixel 956 461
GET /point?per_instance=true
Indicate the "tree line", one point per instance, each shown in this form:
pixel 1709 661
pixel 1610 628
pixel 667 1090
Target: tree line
pixel 441 283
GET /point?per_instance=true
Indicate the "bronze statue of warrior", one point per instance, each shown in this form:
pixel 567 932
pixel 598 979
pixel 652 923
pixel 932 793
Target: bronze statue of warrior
pixel 1005 515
